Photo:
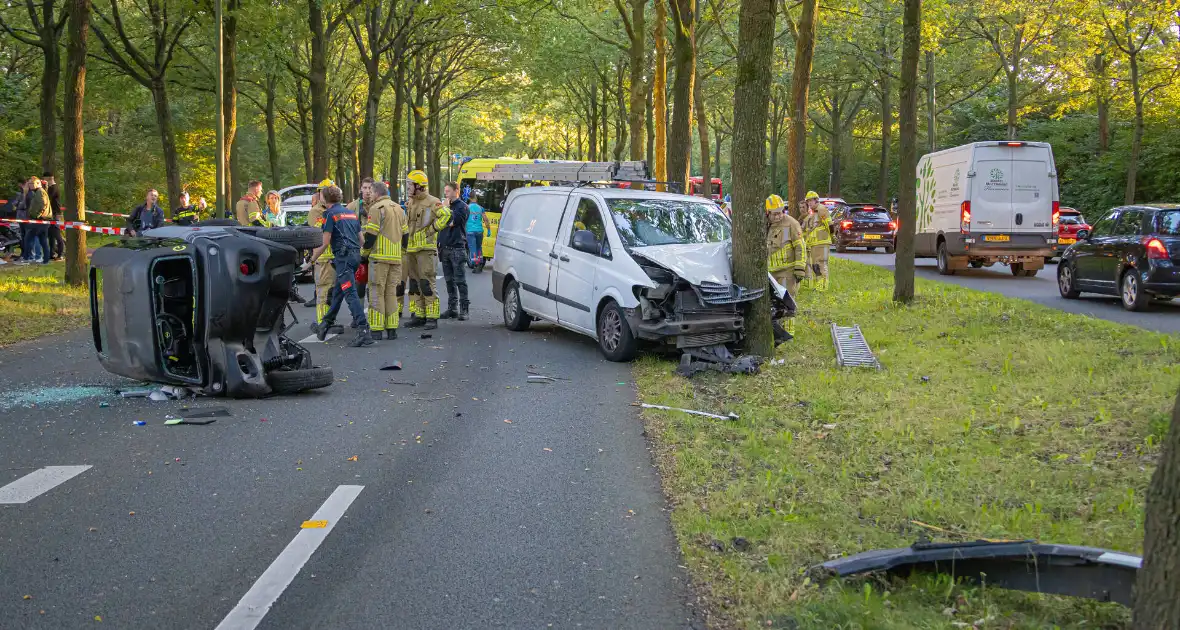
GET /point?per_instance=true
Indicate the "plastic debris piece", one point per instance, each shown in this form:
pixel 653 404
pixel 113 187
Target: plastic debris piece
pixel 208 412
pixel 427 336
pixel 353 458
pixel 507 421
pixel 396 365
pixel 547 450
pixel 541 380
pixel 314 524
pixel 136 393
pixel 28 597
pixel 158 396
pixel 731 416
pixel 104 405
pixel 189 421
pixel 140 423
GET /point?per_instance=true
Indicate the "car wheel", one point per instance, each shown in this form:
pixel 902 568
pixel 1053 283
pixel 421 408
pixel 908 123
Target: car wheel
pixel 1017 269
pixel 1030 273
pixel 944 261
pixel 295 381
pixel 889 250
pixel 514 316
pixel 615 339
pixel 1066 283
pixel 870 249
pixel 840 249
pixel 1132 293
pixel 976 264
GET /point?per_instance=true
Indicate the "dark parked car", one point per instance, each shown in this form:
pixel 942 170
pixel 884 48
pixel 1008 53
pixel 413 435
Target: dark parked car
pixel 203 307
pixel 865 225
pixel 1071 227
pixel 1132 252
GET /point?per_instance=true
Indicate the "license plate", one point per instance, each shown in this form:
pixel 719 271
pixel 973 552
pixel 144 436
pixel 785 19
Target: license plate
pixel 996 238
pixel 1067 241
pixel 872 237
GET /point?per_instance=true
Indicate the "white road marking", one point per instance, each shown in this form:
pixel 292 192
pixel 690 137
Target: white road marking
pixel 38 482
pixel 279 575
pixel 314 339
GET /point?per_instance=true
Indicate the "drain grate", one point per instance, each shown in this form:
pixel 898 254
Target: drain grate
pixel 851 348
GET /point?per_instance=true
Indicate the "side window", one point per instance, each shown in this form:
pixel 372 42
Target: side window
pixel 1130 222
pixel 589 218
pixel 1105 225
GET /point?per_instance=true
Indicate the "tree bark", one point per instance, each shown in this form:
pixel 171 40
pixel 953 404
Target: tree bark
pixel 886 128
pixel 592 139
pixel 272 143
pixel 167 139
pixel 318 86
pixel 750 103
pixel 419 118
pixel 660 93
pixel 931 105
pixel 800 85
pixel 651 133
pixel 395 137
pixel 1013 75
pixel 837 156
pixel 229 98
pixel 340 172
pixel 637 61
pixel 622 119
pixel 432 139
pixel 684 51
pixel 903 270
pixel 703 133
pixel 1156 604
pixel 301 107
pixel 1102 96
pixel 604 118
pixel 1137 137
pixel 50 74
pixel 73 177
pixel 369 132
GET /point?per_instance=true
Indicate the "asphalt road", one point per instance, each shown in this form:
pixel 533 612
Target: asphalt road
pixel 462 519
pixel 1041 289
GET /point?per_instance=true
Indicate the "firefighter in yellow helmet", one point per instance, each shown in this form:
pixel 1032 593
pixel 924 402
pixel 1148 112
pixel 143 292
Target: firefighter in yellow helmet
pixel 248 211
pixel 787 260
pixel 384 229
pixel 817 229
pixel 426 216
pixel 325 274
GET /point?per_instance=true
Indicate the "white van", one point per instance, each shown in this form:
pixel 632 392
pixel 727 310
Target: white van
pixel 621 266
pixel 988 202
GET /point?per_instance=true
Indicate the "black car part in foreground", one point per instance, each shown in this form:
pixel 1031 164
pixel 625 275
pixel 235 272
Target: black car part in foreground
pixel 203 307
pixel 1107 576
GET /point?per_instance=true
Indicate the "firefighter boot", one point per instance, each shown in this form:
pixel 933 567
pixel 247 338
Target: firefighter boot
pixel 363 338
pixel 463 313
pixel 431 324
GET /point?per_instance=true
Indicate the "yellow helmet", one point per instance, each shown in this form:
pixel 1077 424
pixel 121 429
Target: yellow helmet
pixel 774 202
pixel 811 194
pixel 418 177
pixel 324 184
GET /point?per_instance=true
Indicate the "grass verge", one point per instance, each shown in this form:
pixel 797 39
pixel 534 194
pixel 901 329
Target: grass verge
pixel 34 301
pixel 993 418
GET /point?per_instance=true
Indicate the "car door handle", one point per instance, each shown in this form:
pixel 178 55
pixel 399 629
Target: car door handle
pixel 552 255
pixel 565 259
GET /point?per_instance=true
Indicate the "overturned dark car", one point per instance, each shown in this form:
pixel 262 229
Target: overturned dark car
pixel 203 307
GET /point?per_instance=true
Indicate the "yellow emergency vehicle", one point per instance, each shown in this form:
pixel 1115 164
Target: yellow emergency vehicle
pixel 492 194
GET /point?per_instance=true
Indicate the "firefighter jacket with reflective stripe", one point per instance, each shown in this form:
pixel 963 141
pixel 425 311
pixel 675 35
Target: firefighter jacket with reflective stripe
pixel 187 215
pixel 387 221
pixel 784 242
pixel 247 211
pixel 817 227
pixel 426 216
pixel 315 218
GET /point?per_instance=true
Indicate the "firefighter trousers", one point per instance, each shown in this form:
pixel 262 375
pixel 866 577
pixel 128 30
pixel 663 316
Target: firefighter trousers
pixel 384 280
pixel 325 282
pixel 420 272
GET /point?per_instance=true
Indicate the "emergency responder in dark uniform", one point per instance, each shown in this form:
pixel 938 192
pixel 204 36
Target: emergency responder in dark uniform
pixel 342 234
pixel 186 214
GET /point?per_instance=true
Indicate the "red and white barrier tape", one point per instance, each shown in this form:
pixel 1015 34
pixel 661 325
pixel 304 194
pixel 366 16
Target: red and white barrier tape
pixel 105 214
pixel 75 225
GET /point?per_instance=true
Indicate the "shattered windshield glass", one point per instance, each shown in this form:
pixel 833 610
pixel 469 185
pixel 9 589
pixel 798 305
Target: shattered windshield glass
pixel 644 222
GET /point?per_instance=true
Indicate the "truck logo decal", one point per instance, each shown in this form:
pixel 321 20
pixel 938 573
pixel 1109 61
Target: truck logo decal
pixel 997 175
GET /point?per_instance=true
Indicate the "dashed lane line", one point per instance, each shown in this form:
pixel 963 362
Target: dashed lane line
pixel 278 576
pixel 38 482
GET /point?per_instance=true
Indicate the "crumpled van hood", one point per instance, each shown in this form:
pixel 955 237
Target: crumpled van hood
pixel 695 262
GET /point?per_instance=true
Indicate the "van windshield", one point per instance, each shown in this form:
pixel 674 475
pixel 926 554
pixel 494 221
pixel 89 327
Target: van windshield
pixel 644 222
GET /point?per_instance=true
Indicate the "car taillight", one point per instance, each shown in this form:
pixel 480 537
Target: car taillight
pixel 893 226
pixel 1155 249
pixel 844 225
pixel 248 268
pixel 965 217
pixel 1056 212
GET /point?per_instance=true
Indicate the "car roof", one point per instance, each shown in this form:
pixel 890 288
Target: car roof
pixel 612 193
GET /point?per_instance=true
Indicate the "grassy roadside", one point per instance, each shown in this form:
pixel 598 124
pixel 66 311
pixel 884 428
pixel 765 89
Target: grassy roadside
pixel 993 417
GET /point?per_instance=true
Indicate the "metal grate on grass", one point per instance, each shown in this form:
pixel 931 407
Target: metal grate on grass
pixel 851 348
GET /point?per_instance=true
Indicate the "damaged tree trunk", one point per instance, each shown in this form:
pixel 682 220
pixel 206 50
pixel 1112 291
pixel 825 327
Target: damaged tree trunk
pixel 1156 604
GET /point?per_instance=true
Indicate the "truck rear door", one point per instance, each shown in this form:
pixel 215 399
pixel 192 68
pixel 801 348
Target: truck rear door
pixel 1034 189
pixel 991 193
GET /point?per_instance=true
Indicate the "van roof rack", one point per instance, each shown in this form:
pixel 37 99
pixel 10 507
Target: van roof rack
pixel 558 171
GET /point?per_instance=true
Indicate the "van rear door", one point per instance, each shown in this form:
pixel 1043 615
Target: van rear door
pixel 991 189
pixel 530 227
pixel 1034 188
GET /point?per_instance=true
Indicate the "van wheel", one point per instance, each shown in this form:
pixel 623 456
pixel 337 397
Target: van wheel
pixel 889 250
pixel 944 261
pixel 976 264
pixel 514 316
pixel 1132 293
pixel 615 339
pixel 1017 269
pixel 1066 284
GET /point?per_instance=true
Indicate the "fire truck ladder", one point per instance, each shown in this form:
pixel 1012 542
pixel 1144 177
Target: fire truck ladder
pixel 569 172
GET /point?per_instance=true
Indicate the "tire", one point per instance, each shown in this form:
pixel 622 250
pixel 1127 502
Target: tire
pixel 1030 273
pixel 1017 269
pixel 615 339
pixel 295 381
pixel 216 223
pixel 514 316
pixel 297 237
pixel 976 264
pixel 944 261
pixel 870 249
pixel 890 250
pixel 1066 283
pixel 1131 292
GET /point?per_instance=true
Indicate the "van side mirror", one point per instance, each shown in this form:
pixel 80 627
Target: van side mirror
pixel 584 241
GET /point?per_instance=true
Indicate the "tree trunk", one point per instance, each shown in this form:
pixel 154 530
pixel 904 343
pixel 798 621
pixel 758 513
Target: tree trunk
pixel 931 105
pixel 800 85
pixel 1156 604
pixel 50 74
pixel 703 132
pixel 167 139
pixel 837 150
pixel 419 126
pixel 621 115
pixel 318 86
pixel 684 51
pixel 432 168
pixel 886 135
pixel 592 140
pixel 750 103
pixel 649 155
pixel 580 155
pixel 340 172
pixel 1102 95
pixel 1013 74
pixel 354 160
pixel 660 93
pixel 604 118
pixel 637 60
pixel 395 138
pixel 717 153
pixel 235 171
pixel 369 132
pixel 229 98
pixel 304 137
pixel 272 143
pixel 903 270
pixel 73 177
pixel 1137 138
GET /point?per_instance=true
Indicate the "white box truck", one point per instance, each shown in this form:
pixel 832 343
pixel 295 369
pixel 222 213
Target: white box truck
pixel 988 202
